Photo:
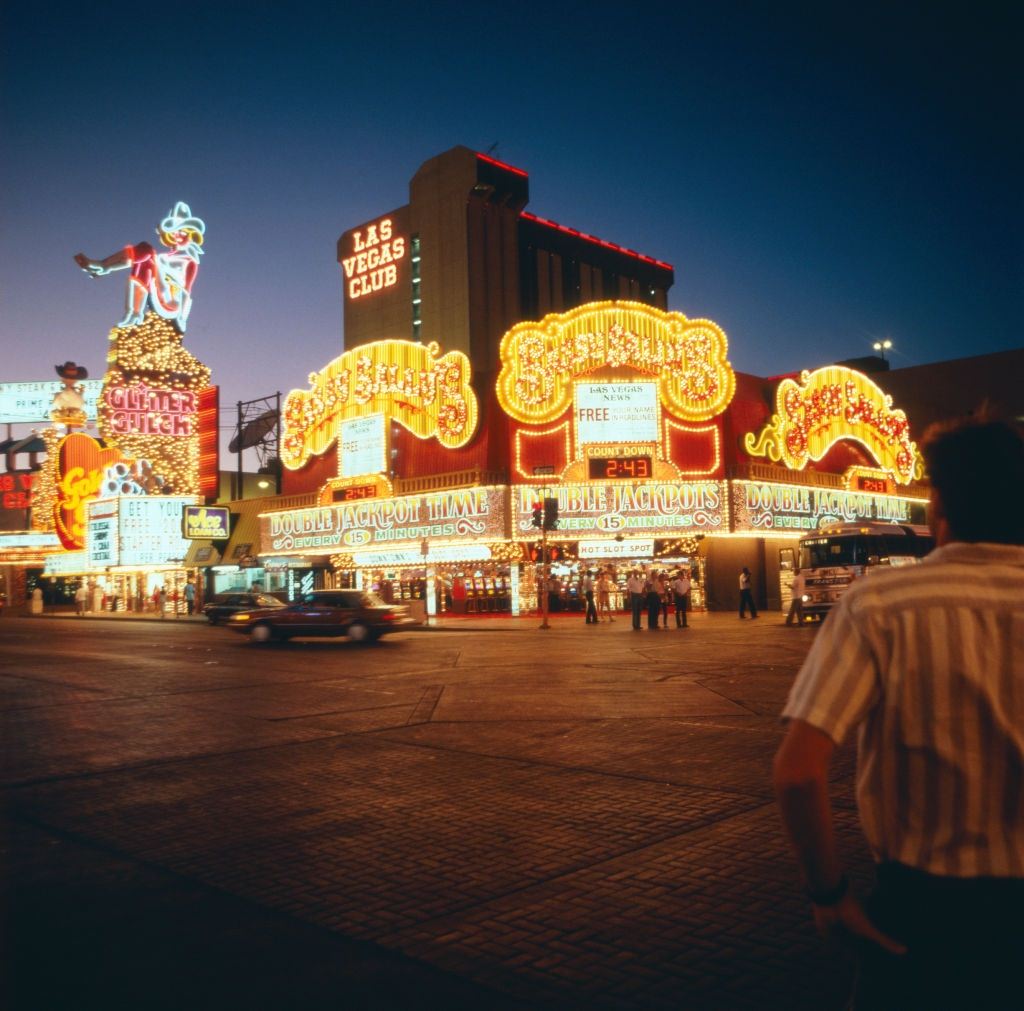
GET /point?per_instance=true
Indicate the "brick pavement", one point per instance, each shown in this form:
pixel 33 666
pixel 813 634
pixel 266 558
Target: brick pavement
pixel 573 818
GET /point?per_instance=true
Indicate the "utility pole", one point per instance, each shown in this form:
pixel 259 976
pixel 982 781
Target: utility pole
pixel 544 572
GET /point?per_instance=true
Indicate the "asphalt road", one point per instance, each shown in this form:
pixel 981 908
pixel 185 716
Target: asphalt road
pixel 486 816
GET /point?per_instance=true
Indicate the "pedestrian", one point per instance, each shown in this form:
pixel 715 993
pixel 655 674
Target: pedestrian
pixel 161 596
pixel 190 597
pixel 796 603
pixel 681 587
pixel 746 596
pixel 604 596
pixel 661 583
pixel 925 663
pixel 81 595
pixel 587 585
pixel 653 601
pixel 156 599
pixel 635 589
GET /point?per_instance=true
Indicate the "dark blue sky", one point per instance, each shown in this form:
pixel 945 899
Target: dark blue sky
pixel 820 175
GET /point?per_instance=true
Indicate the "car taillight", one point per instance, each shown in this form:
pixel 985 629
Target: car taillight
pixel 389 615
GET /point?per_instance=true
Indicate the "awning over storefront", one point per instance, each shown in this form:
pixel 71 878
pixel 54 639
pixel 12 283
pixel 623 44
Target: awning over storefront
pixel 244 544
pixel 201 554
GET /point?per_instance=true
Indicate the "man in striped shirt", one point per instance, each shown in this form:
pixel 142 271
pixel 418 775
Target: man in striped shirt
pixel 927 663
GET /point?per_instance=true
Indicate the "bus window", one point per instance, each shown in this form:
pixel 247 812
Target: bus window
pixel 886 547
pixel 822 553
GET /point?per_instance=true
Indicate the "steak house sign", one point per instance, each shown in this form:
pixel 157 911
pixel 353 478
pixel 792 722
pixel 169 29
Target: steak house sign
pixel 460 514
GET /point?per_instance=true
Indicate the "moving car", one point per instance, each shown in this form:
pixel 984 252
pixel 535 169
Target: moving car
pixel 223 605
pixel 360 615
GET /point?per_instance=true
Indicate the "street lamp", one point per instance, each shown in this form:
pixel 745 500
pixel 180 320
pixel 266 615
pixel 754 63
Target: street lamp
pixel 882 346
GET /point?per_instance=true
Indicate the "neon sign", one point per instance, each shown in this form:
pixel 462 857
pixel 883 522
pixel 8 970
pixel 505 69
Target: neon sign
pixel 373 263
pixel 368 524
pixel 541 360
pixel 655 508
pixel 206 522
pixel 767 506
pixel 408 382
pixel 143 410
pixel 150 408
pixel 158 281
pixel 82 467
pixel 826 406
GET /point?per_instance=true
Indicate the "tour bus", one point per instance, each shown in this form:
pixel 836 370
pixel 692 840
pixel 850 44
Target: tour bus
pixel 832 557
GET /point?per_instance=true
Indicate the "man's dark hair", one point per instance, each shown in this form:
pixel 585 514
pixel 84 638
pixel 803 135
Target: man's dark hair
pixel 976 464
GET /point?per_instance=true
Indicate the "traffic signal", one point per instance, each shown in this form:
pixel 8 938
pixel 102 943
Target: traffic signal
pixel 550 514
pixel 538 509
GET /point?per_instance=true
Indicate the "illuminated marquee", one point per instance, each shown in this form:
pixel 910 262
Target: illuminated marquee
pixel 655 509
pixel 143 410
pixel 82 467
pixel 408 382
pixel 459 514
pixel 30 403
pixel 764 506
pixel 137 531
pixel 372 265
pixel 151 400
pixel 541 360
pixel 826 406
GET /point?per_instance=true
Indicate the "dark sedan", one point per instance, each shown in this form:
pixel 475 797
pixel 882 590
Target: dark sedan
pixel 360 615
pixel 223 605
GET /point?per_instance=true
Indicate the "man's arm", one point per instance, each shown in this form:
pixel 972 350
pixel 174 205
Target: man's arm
pixel 801 786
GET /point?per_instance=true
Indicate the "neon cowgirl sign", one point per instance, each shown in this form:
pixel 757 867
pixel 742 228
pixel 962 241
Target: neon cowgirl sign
pixel 372 265
pixel 142 410
pixel 158 281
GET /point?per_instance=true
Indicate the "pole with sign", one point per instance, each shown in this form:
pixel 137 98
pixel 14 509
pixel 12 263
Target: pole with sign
pixel 429 589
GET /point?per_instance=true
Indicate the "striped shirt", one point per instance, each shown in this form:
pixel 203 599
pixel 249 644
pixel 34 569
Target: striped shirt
pixel 927 662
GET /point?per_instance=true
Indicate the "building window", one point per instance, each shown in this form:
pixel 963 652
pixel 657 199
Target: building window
pixel 417 296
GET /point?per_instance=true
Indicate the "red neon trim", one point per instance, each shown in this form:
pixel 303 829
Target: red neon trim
pixel 501 164
pixel 596 240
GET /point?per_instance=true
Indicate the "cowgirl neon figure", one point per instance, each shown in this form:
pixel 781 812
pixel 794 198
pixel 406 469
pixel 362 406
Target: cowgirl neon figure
pixel 161 281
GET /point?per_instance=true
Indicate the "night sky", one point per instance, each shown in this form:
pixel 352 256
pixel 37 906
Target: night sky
pixel 821 176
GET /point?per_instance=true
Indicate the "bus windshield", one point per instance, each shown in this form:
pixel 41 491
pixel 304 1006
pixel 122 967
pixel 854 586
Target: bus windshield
pixel 861 549
pixel 822 552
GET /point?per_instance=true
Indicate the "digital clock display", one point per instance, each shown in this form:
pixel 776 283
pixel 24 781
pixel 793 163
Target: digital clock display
pixel 874 484
pixel 355 491
pixel 629 468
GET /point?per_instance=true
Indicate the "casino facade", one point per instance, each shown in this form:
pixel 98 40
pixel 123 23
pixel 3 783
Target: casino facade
pixel 495 360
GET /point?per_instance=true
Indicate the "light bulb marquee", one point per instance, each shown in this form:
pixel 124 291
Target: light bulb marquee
pixel 541 360
pixel 412 384
pixel 150 403
pixel 827 406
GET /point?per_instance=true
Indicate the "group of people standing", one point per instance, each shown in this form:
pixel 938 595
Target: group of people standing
pixel 597 595
pixel 655 592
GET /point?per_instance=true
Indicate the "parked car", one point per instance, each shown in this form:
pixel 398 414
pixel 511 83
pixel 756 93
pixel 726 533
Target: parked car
pixel 223 605
pixel 360 615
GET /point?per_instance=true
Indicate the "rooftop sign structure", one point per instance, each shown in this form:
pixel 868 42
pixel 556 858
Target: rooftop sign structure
pixel 160 281
pixel 412 384
pixel 827 406
pixel 540 361
pixel 30 403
